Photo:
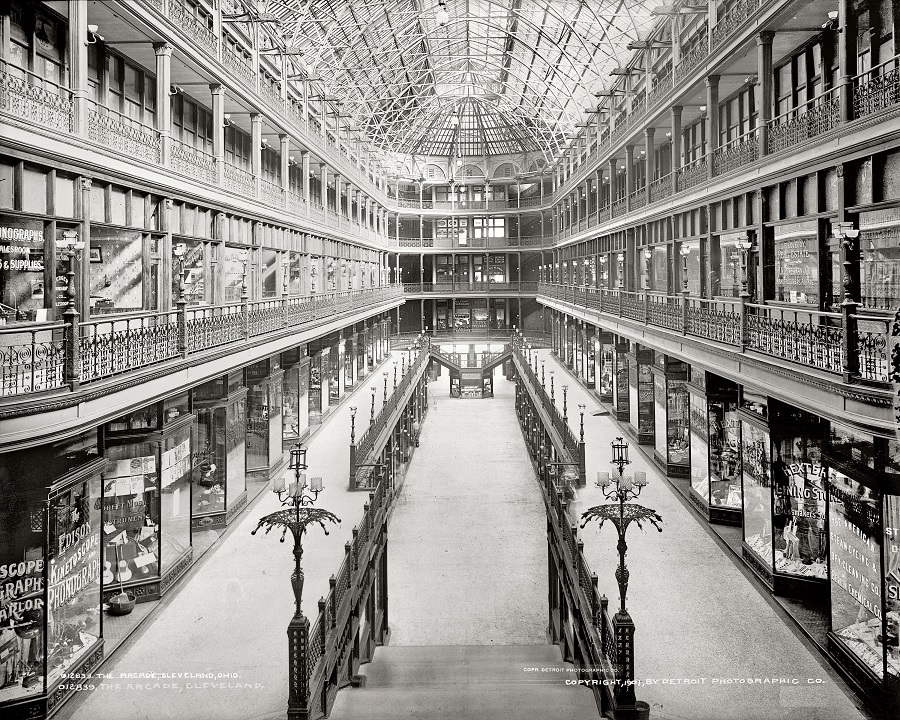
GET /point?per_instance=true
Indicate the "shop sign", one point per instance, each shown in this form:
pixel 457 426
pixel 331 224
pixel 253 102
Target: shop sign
pixel 895 370
pixel 855 565
pixel 21 589
pixel 76 566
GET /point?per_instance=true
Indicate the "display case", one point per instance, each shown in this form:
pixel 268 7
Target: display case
pixel 672 412
pixel 715 427
pixel 788 544
pixel 588 363
pixel 621 395
pixel 605 366
pixel 641 413
pixel 219 489
pixel 147 507
pixel 295 399
pixel 51 569
pixel 264 446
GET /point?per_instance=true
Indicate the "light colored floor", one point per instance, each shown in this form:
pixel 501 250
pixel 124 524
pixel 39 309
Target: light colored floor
pixel 697 615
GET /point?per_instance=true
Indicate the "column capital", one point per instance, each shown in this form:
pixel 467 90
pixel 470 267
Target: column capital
pixel 86 183
pixel 256 117
pixel 163 48
pixel 676 110
pixel 649 132
pixel 217 89
pixel 712 81
pixel 765 37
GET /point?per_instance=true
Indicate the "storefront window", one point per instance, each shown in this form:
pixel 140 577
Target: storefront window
pixel 209 461
pixel 295 274
pixel 799 517
pixel 694 274
pixel 660 420
pixel 724 454
pixel 729 266
pixel 269 273
pixel 236 448
pixel 891 548
pixel 295 405
pixel 757 491
pixel 797 262
pixel 620 381
pixel 659 268
pixel 855 534
pixel 21 270
pixel 131 513
pixel 234 273
pixel 73 572
pixel 677 427
pixel 315 383
pixel 606 369
pixel 699 456
pixel 348 362
pixel 192 272
pixel 257 422
pixel 175 511
pixel 335 366
pixel 643 398
pixel 116 260
pixel 851 445
pixel 879 244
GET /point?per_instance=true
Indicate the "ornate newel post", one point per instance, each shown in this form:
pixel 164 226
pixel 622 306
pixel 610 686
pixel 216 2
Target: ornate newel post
pixel 622 513
pixel 296 515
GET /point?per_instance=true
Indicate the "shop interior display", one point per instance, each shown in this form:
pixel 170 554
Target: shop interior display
pixel 130 521
pixel 757 495
pixel 724 454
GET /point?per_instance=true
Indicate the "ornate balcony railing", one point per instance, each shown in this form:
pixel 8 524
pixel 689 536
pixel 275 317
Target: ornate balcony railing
pixel 736 153
pixel 873 348
pixel 271 193
pixel 271 93
pixel 661 87
pixel 239 180
pixel 638 198
pixel 29 97
pixel 809 338
pixel 34 357
pixel 200 32
pixel 814 339
pixel 192 162
pixel 692 58
pixel 693 174
pixel 736 16
pixel 122 134
pixel 619 207
pixel 877 88
pixel 296 204
pixel 116 345
pixel 661 188
pixel 813 118
pixel 239 66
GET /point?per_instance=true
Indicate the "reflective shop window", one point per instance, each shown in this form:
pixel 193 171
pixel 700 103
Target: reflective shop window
pixel 796 258
pixel 879 271
pixel 116 271
pixel 757 497
pixel 724 454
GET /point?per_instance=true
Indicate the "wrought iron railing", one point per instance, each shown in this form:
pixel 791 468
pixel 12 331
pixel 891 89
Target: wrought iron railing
pixel 877 88
pixel 873 347
pixel 661 188
pixel 192 162
pixel 33 357
pixel 693 58
pixel 30 97
pixel 121 133
pixel 814 339
pixel 239 180
pixel 694 173
pixel 736 153
pixel 812 118
pixel 737 15
pixel 271 193
pixel 184 18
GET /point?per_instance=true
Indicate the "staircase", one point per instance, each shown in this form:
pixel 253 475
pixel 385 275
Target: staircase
pixel 501 682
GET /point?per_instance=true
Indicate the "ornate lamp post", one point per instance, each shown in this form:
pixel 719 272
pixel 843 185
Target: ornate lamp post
pixel 71 245
pixel 385 386
pixel 581 409
pixel 684 251
pixel 244 255
pixel 295 516
pixel 552 393
pixel 178 267
pixel 542 374
pixel 744 245
pixel 648 256
pixel 352 425
pixel 565 389
pixel 395 374
pixel 372 413
pixel 621 513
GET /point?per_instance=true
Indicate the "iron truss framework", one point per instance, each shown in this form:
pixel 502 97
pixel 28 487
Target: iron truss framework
pixel 500 77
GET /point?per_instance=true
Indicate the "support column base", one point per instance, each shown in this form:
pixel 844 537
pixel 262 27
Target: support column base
pixel 639 711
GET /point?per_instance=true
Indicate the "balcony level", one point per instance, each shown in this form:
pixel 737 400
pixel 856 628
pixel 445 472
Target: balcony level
pixel 801 356
pixel 58 377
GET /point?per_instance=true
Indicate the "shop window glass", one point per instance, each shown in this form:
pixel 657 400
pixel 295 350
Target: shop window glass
pixel 334 375
pixel 175 478
pixel 34 190
pixel 116 269
pixel 851 445
pixel 257 424
pixel 21 270
pixel 621 381
pixel 295 409
pixel 208 492
pixel 699 450
pixel 6 185
pixel 269 270
pixel 879 243
pixel 74 572
pixel 799 517
pixel 295 274
pixel 892 582
pixel 117 201
pixel 192 272
pixel 660 431
pixel 131 513
pixel 644 399
pixel 797 262
pixel 64 196
pixel 234 274
pixel 757 491
pixel 659 268
pixel 724 454
pixel 235 448
pixel 855 534
pixel 677 426
pixel 315 380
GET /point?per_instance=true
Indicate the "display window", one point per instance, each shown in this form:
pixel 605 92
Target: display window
pixel 197 286
pixel 879 244
pixel 891 550
pixel 724 454
pixel 295 402
pixel 856 533
pixel 315 383
pixel 699 449
pixel 851 445
pixel 117 272
pixel 694 271
pixel 175 489
pixel 620 381
pixel 726 280
pixel 605 368
pixel 800 541
pixel 73 581
pixel 257 417
pixel 348 362
pixel 660 419
pixel 208 493
pixel 796 254
pixel 757 491
pixel 22 275
pixel 235 273
pixel 131 512
pixel 235 447
pixel 589 352
pixel 678 410
pixel 334 369
pixel 641 398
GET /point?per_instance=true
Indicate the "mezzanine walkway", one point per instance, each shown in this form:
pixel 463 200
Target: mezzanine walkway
pixel 467 581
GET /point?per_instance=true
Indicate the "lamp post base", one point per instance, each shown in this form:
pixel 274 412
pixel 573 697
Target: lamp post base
pixel 639 711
